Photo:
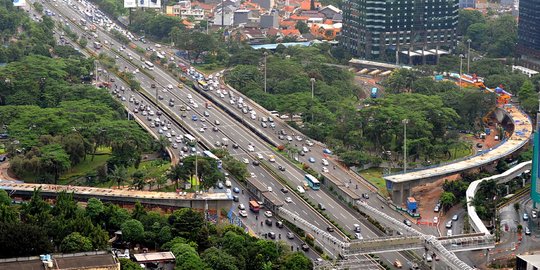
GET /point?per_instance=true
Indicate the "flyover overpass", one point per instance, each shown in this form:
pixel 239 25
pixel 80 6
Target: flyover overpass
pixel 400 185
pixel 212 202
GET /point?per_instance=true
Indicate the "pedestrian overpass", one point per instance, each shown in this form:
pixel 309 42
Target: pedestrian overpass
pixel 353 250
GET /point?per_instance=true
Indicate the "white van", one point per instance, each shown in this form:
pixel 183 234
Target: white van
pixel 228 183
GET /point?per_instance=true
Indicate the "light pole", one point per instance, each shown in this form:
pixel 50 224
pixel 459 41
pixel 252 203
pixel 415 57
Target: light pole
pixel 460 69
pixel 312 87
pixel 405 122
pixel 468 55
pixel 265 55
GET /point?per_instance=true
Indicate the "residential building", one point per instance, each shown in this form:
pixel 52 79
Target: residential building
pixel 467 3
pixel 265 4
pixel 228 16
pixel 269 20
pixel 529 34
pixel 381 29
pixel 241 16
pixel 330 11
pixel 527 262
pixel 184 10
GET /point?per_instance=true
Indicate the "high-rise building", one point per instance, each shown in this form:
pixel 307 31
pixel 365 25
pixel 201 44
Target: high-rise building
pixel 529 34
pixel 377 29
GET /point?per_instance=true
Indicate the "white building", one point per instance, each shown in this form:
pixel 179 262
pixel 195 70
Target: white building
pixel 183 10
pixel 527 71
pixel 228 18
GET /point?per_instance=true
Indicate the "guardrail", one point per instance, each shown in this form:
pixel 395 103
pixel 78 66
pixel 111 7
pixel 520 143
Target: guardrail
pixel 476 222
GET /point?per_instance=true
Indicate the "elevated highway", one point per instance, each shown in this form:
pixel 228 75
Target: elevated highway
pixel 213 202
pixel 400 185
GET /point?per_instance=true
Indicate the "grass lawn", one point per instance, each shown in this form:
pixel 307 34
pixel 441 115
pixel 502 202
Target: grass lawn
pixel 86 166
pixel 209 68
pixel 152 168
pixel 374 176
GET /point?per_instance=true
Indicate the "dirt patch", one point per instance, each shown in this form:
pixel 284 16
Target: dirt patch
pixel 5 174
pixel 428 194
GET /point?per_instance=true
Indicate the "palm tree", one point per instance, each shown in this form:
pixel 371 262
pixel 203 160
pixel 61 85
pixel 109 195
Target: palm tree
pixel 162 145
pixel 118 174
pixel 138 180
pixel 161 180
pixel 179 171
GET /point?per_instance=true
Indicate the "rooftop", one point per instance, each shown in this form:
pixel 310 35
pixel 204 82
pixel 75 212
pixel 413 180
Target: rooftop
pixel 154 257
pixel 63 262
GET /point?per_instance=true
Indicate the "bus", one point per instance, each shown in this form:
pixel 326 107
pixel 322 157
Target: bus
pixel 254 206
pixel 97 45
pixel 312 182
pixel 190 139
pixel 211 155
pixel 149 65
pixel 203 84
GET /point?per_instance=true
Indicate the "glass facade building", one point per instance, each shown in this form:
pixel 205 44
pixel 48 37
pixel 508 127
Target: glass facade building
pixel 529 33
pixel 375 29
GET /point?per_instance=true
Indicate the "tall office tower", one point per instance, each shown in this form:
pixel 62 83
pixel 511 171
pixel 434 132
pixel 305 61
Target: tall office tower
pixel 380 29
pixel 529 34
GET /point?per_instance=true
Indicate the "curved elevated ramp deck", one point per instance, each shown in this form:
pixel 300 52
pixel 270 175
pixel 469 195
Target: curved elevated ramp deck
pixel 401 184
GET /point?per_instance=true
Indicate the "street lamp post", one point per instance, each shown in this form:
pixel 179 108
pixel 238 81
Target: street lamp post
pixel 460 69
pixel 405 122
pixel 468 55
pixel 265 55
pixel 312 87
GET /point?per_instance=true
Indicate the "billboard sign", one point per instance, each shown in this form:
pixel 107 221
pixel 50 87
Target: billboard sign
pixel 19 3
pixel 130 3
pixel 154 3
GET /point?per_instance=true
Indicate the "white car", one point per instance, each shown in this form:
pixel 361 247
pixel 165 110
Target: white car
pixel 324 169
pixel 170 86
pixel 253 175
pixel 270 189
pixel 251 148
pixel 325 162
pixel 241 206
pixel 300 189
pixel 174 145
pixel 268 214
pixel 288 199
pixel 245 160
pixel 243 213
pixel 435 219
pixel 260 156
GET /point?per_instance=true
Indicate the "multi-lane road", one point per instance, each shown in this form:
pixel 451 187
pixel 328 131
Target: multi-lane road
pixel 230 129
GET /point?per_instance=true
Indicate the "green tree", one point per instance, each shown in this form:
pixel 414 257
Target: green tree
pixel 187 258
pixel 186 223
pixel 139 179
pixel 296 261
pixel 127 264
pixel 94 209
pixel 21 239
pixel 54 160
pixel 118 174
pixel 132 231
pixel 4 198
pixel 75 242
pixel 467 18
pixel 516 207
pixel 302 27
pixel 218 259
pixel 447 200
